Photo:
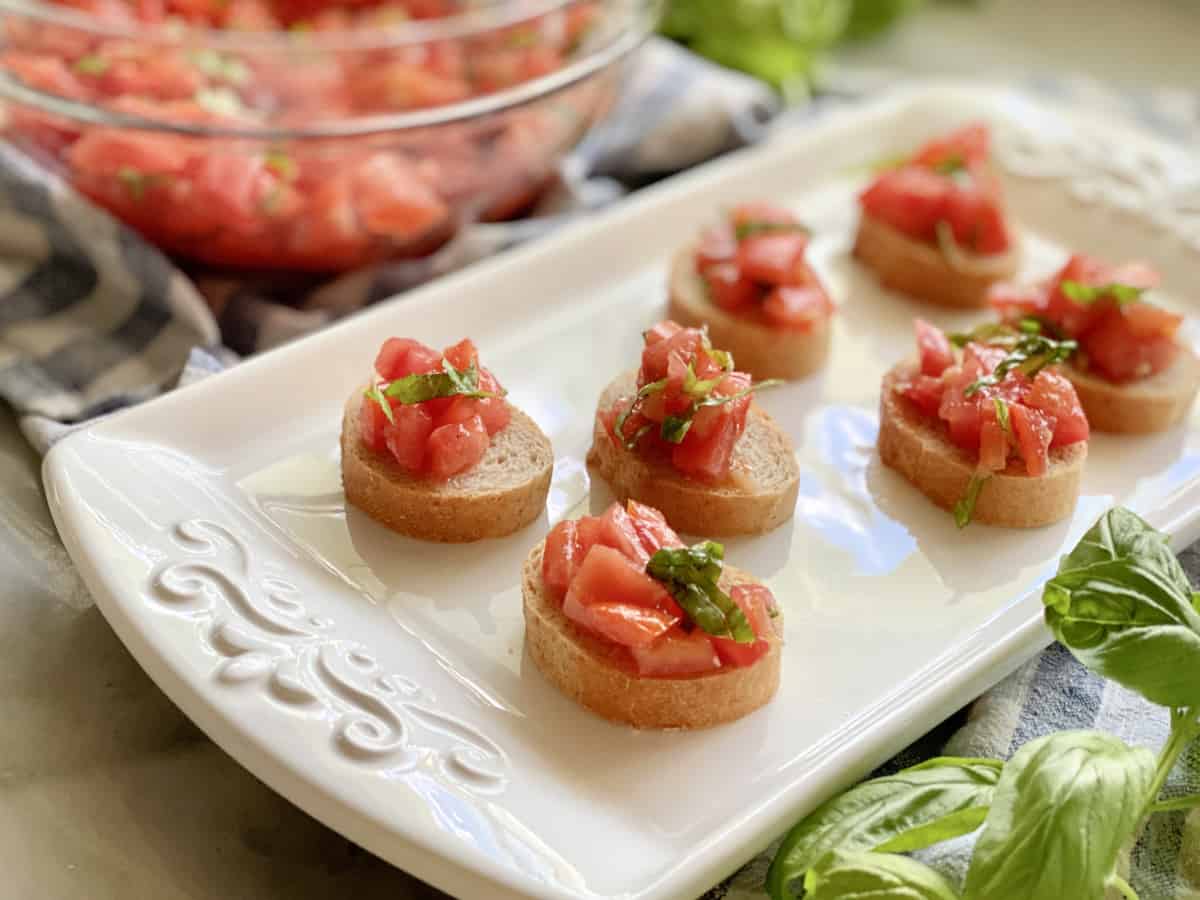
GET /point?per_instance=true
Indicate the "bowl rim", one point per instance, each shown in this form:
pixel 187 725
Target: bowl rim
pixel 473 22
pixel 633 33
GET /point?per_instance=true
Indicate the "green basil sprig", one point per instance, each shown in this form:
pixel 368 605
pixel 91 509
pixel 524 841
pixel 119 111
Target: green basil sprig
pixel 692 575
pixel 450 382
pixel 1090 293
pixel 1056 815
pixel 917 807
pixel 1029 354
pixel 675 428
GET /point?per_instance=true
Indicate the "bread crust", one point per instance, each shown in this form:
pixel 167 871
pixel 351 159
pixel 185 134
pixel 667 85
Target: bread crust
pixel 1139 407
pixel 921 451
pixel 601 676
pixel 503 493
pixel 762 349
pixel 922 271
pixel 760 495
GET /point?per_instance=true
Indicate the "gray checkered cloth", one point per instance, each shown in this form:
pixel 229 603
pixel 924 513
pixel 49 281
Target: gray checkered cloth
pixel 93 319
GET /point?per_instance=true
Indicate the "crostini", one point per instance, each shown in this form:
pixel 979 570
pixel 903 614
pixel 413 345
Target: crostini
pixel 747 280
pixel 1131 372
pixel 934 227
pixel 433 450
pixel 624 619
pixel 683 435
pixel 994 433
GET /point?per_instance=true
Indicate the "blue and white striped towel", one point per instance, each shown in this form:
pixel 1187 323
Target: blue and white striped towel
pixel 92 319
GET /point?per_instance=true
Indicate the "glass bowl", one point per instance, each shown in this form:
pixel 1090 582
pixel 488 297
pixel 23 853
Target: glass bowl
pixel 352 135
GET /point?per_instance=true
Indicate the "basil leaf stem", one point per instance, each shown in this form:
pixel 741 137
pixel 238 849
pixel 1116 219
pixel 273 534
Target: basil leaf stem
pixel 1002 415
pixel 964 509
pixel 692 575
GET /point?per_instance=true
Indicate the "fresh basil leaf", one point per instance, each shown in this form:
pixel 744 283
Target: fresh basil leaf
pixel 937 800
pixel 752 229
pixel 1030 325
pixel 875 876
pixel 988 333
pixel 698 388
pixel 964 509
pixel 722 358
pixel 450 382
pixel 692 575
pixel 1090 293
pixel 375 392
pixel 1122 604
pixel 1063 807
pixel 674 429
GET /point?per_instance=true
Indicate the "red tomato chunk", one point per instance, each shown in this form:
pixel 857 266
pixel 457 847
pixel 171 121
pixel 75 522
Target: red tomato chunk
pixel 1039 413
pixel 754 265
pixel 947 184
pixel 596 565
pixel 1121 338
pixel 441 437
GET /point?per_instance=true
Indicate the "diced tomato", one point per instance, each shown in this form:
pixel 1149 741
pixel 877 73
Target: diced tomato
pixel 1013 302
pixel 756 601
pixel 113 153
pixel 1115 351
pixel 493 411
pixel 1147 321
pixel 1033 431
pixel 677 652
pixel 408 437
pixel 617 530
pixel 728 288
pixel 609 576
pixel 624 623
pixel 797 307
pixel 456 448
pixel 760 214
pixel 981 359
pixel 662 331
pixel 911 200
pixel 560 557
pixel 976 219
pixel 652 528
pixel 925 391
pixel 969 144
pixel 1071 316
pixel 401 357
pixel 684 343
pixel 371 422
pixel 993 441
pixel 772 258
pixel 933 347
pixel 392 200
pixel 717 245
pixel 1055 396
pixel 462 355
pixel 709 458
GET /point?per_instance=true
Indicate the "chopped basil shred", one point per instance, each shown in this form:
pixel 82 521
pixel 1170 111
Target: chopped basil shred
pixel 134 180
pixel 692 575
pixel 751 229
pixel 280 163
pixel 964 509
pixel 630 443
pixel 450 382
pixel 675 428
pixel 989 333
pixel 1028 355
pixel 950 165
pixel 1030 325
pixel 1002 414
pixel 1090 293
pixel 92 64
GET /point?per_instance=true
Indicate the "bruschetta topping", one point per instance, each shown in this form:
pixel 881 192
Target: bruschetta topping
pixel 1121 336
pixel 754 263
pixel 627 577
pixel 690 406
pixel 946 195
pixel 1001 397
pixel 433 413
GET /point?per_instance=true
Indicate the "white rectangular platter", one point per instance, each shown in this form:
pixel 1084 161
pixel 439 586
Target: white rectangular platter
pixel 380 684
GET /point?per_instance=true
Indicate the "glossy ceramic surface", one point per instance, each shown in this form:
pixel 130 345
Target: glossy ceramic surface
pixel 379 683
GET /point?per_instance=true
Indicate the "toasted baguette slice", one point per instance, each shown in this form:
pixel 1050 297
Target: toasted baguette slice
pixel 763 350
pixel 759 496
pixel 601 676
pixel 921 452
pixel 503 493
pixel 1140 407
pixel 922 271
